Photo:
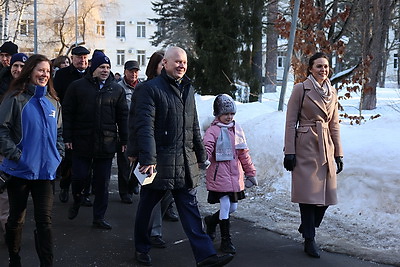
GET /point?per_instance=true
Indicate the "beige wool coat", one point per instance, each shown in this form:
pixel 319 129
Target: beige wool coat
pixel 315 142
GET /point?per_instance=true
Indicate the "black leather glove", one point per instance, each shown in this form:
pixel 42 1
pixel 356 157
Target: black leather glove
pixel 289 162
pixel 339 164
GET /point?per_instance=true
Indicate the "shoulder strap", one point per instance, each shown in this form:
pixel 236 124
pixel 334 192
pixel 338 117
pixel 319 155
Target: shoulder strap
pixel 301 106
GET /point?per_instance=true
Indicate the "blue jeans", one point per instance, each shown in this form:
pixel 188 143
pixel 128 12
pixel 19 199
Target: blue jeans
pixel 186 204
pixel 42 195
pixel 101 167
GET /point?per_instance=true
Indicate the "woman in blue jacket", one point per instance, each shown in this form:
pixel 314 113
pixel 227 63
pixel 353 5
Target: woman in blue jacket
pixel 31 143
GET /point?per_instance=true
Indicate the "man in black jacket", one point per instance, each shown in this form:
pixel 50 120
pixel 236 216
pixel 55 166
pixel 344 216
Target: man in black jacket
pixel 94 107
pixel 165 132
pixel 63 78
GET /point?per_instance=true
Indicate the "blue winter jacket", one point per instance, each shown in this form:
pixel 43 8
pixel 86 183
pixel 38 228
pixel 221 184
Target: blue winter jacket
pixel 31 134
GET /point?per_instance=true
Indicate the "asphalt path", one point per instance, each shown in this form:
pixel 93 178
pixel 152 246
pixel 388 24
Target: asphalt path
pixel 78 244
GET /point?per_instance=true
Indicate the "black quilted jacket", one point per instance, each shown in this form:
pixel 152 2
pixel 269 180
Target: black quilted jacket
pixel 164 130
pixel 91 117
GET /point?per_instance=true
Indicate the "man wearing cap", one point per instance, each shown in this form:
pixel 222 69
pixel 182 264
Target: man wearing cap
pixel 94 107
pixel 11 72
pixel 7 50
pixel 62 79
pixel 126 187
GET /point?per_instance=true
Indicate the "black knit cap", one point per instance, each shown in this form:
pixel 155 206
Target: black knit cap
pixel 9 48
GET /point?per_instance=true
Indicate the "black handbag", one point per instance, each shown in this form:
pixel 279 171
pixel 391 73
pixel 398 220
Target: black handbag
pixel 4 179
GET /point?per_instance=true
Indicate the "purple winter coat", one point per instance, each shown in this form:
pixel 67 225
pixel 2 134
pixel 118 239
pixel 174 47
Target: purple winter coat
pixel 226 176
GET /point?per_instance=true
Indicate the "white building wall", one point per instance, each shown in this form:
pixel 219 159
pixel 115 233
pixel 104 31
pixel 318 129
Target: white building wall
pixel 131 12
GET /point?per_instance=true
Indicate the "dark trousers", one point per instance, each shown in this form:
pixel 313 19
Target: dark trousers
pixel 65 173
pixel 311 218
pixel 101 168
pixel 186 204
pixel 125 186
pixel 42 195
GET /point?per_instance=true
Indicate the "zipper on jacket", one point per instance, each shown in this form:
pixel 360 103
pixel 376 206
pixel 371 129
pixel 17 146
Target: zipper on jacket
pixel 215 173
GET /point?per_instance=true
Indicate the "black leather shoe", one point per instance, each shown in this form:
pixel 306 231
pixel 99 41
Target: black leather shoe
pixel 311 248
pixel 73 210
pixel 170 214
pixel 143 258
pixel 64 195
pixel 216 260
pixel 101 224
pixel 86 202
pixel 157 242
pixel 126 198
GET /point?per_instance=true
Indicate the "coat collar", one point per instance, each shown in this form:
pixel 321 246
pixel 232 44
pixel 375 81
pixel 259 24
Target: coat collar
pixel 314 96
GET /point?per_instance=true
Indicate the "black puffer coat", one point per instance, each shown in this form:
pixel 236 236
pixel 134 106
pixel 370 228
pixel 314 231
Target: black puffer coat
pixel 164 130
pixel 91 117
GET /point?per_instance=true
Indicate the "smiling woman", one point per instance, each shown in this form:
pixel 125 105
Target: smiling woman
pixel 31 143
pixel 312 147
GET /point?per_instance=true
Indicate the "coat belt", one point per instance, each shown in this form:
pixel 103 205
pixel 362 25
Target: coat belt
pixel 323 139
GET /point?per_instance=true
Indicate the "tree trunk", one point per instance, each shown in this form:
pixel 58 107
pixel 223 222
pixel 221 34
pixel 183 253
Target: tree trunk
pixel 272 49
pixel 256 56
pixel 380 25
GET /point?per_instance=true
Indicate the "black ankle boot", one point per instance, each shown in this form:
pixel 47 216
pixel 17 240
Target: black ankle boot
pixel 226 242
pixel 211 223
pixel 311 248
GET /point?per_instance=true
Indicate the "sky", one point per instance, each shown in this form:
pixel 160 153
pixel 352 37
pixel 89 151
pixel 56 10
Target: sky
pixel 366 221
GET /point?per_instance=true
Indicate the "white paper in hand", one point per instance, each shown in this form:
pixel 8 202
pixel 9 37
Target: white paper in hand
pixel 143 178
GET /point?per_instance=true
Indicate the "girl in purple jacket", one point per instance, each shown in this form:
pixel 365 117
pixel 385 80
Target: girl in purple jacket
pixel 228 153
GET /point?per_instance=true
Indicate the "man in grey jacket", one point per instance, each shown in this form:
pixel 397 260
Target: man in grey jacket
pixel 126 187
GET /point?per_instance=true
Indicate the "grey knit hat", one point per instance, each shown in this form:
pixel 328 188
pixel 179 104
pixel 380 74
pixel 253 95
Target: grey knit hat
pixel 224 104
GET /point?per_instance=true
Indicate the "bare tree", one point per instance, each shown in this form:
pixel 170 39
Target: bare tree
pixel 376 20
pixel 271 47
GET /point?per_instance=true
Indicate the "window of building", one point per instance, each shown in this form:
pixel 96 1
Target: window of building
pixel 100 27
pixel 141 57
pixel 120 57
pixel 120 28
pixel 141 29
pixel 396 61
pixel 57 26
pixel 26 27
pixel 281 59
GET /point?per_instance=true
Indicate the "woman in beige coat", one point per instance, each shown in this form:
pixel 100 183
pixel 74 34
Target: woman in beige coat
pixel 312 146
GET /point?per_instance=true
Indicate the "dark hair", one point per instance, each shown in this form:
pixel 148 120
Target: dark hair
pixel 313 58
pixel 59 60
pixel 151 70
pixel 20 84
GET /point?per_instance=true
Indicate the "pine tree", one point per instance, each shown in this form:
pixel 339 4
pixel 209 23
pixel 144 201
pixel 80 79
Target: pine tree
pixel 172 25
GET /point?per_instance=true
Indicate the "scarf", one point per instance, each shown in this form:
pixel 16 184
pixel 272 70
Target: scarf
pixel 323 90
pixel 223 147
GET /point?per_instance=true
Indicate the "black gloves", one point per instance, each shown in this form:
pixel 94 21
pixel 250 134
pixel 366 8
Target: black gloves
pixel 339 164
pixel 289 162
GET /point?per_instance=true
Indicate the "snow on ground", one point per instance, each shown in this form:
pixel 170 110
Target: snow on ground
pixel 366 222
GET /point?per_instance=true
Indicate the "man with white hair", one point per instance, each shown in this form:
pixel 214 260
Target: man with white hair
pixel 165 133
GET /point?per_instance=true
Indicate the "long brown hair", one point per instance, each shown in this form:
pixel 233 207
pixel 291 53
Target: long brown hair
pixel 20 84
pixel 151 70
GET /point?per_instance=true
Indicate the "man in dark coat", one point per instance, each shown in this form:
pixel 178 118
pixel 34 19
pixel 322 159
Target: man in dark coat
pixel 94 113
pixel 63 78
pixel 165 133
